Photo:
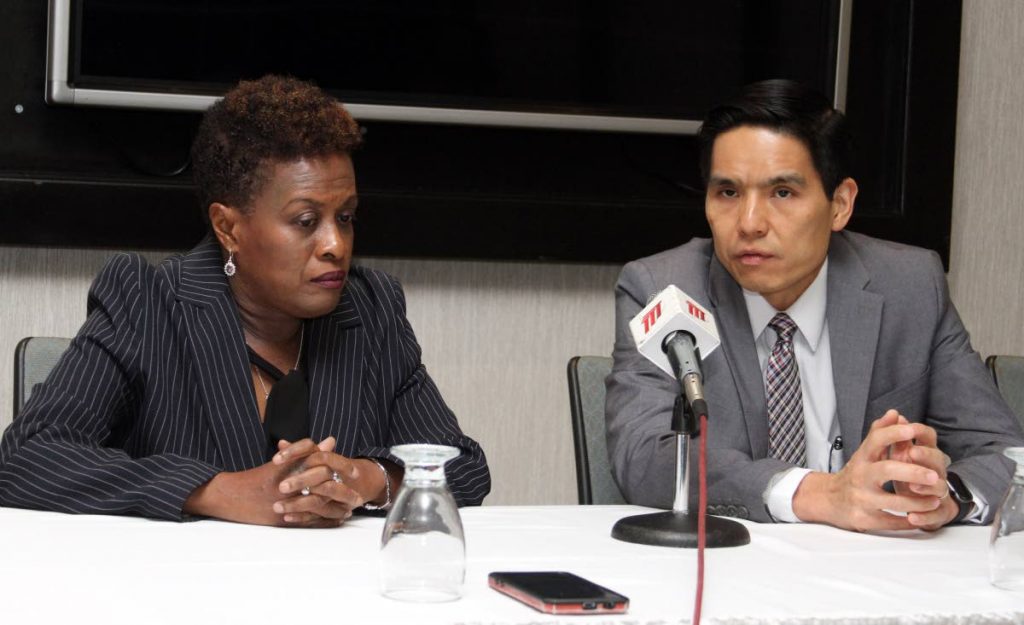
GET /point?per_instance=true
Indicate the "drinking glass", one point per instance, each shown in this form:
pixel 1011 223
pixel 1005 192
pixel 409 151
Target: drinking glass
pixel 422 549
pixel 1006 550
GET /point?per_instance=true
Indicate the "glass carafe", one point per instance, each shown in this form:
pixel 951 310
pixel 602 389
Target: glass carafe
pixel 1006 551
pixel 423 550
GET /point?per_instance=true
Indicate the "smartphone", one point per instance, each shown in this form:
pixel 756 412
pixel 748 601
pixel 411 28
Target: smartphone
pixel 558 592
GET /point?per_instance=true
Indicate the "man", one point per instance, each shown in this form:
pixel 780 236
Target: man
pixel 843 367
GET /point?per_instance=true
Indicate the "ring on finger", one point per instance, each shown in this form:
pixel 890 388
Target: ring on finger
pixel 305 491
pixel 335 477
pixel 945 494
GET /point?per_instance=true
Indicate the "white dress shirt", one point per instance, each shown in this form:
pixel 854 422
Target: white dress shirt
pixel 813 353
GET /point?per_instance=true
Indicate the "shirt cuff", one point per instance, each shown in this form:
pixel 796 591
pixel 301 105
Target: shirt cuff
pixel 778 497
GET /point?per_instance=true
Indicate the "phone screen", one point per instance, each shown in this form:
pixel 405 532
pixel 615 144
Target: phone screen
pixel 559 592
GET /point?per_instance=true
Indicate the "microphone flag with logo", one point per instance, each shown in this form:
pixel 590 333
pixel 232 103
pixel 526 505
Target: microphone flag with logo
pixel 670 311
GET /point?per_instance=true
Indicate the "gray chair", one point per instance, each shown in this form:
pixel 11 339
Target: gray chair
pixel 594 481
pixel 1008 372
pixel 34 358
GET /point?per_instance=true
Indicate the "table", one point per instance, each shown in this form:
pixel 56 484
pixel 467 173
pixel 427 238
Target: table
pixel 97 569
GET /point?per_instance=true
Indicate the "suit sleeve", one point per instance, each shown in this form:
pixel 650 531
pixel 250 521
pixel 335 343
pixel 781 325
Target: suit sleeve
pixel 62 452
pixel 973 422
pixel 418 414
pixel 638 404
pixel 638 409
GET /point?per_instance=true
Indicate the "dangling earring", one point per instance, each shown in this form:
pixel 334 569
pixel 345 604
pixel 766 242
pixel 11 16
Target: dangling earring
pixel 230 267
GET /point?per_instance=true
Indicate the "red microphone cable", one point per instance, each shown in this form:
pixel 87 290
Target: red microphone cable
pixel 702 508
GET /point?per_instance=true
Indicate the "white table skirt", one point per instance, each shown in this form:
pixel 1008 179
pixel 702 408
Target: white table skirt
pixel 95 569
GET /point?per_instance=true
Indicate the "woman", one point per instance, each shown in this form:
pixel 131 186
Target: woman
pixel 259 378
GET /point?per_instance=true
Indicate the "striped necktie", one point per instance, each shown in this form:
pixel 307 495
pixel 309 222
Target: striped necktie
pixel 785 400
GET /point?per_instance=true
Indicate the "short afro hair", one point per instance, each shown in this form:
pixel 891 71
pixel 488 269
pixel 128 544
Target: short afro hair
pixel 274 119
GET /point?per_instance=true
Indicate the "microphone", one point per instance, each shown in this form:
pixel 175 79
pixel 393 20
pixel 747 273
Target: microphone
pixel 684 356
pixel 673 331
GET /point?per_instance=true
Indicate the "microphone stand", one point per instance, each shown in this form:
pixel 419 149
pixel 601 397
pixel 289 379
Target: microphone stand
pixel 678 527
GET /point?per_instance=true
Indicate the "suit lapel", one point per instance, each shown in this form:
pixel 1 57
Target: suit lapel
pixel 336 351
pixel 854 321
pixel 214 332
pixel 738 344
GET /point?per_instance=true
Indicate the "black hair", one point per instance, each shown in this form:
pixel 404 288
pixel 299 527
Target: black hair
pixel 790 108
pixel 259 123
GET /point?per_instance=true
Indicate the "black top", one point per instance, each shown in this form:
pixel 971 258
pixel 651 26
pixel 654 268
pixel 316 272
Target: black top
pixel 287 412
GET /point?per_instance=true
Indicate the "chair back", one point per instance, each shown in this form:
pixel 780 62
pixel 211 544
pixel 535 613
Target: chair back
pixel 1008 372
pixel 34 358
pixel 594 481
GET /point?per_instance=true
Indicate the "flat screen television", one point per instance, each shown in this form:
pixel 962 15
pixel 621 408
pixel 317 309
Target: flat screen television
pixel 651 66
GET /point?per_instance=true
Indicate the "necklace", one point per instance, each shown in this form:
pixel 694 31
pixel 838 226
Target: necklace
pixel 259 374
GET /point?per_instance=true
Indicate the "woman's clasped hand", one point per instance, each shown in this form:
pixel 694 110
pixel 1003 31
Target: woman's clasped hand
pixel 306 484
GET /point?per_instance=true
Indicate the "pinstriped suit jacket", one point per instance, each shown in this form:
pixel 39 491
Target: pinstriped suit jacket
pixel 154 396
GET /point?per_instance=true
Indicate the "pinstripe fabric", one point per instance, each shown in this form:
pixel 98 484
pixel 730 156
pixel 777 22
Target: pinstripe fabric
pixel 154 397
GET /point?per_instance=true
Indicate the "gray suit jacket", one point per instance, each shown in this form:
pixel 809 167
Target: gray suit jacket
pixel 897 342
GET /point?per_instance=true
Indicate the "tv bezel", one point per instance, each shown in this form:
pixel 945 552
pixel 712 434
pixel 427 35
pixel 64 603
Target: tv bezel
pixel 60 90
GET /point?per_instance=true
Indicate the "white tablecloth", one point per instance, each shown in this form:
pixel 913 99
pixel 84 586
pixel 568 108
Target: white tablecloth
pixel 95 569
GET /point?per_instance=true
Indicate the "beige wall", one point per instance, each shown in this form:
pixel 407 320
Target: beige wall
pixel 987 271
pixel 496 336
